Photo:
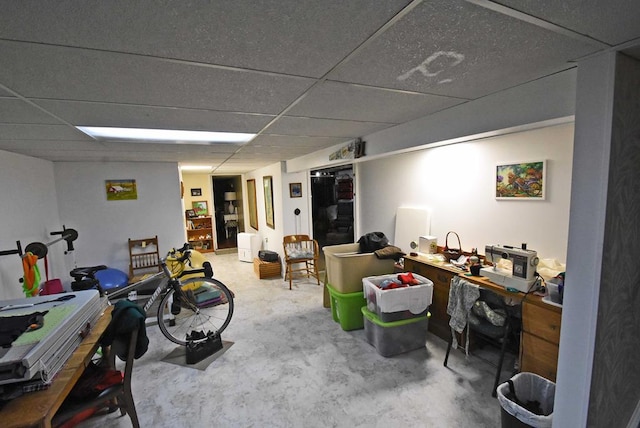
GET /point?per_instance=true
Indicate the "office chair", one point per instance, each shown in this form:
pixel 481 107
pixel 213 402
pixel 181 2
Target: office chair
pixel 114 397
pixel 486 331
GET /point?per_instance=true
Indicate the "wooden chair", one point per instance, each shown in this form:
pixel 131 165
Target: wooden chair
pixel 301 255
pixel 114 397
pixel 143 256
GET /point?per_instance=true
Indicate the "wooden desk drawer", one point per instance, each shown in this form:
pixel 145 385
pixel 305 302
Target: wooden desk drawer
pixel 539 356
pixel 541 322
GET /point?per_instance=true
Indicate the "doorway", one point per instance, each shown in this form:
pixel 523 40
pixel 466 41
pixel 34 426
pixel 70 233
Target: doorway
pixel 332 197
pixel 227 206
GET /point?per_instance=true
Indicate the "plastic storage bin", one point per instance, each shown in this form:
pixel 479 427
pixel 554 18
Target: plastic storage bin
pixel 398 303
pixel 529 387
pixel 346 266
pixel 345 309
pixel 393 338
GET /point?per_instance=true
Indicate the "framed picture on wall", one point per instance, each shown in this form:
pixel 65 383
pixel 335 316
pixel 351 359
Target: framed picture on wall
pixel 120 190
pixel 295 190
pixel 251 201
pixel 518 181
pixel 196 192
pixel 200 207
pixel 268 200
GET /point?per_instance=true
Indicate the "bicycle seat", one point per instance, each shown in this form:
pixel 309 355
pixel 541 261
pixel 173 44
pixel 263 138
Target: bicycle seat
pixel 87 271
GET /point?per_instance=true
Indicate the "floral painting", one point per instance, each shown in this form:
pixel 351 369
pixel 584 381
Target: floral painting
pixel 521 181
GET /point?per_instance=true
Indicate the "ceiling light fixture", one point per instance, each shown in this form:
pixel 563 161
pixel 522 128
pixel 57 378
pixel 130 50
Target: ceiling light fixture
pixel 165 135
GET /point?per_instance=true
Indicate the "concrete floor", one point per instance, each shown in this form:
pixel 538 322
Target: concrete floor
pixel 291 365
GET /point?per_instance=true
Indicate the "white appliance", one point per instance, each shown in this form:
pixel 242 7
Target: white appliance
pixel 248 246
pixel 428 245
pixel 522 274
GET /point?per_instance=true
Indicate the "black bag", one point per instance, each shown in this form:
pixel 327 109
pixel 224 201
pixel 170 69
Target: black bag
pixel 372 241
pixel 268 256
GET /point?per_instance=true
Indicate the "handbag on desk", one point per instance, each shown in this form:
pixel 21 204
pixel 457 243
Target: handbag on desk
pixel 449 252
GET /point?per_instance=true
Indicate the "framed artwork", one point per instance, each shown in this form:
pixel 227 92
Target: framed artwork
pixel 253 205
pixel 516 181
pixel 196 192
pixel 120 190
pixel 191 213
pixel 295 190
pixel 200 207
pixel 267 183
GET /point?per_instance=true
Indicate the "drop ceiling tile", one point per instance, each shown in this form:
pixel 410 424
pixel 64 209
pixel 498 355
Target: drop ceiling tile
pixel 67 145
pixel 289 141
pixel 458 49
pixel 36 132
pixel 633 52
pixel 36 71
pixel 612 22
pixel 288 125
pixel 14 110
pixel 244 33
pixel 334 100
pixel 122 115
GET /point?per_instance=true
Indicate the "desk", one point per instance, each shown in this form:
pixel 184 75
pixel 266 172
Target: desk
pixel 36 409
pixel 540 337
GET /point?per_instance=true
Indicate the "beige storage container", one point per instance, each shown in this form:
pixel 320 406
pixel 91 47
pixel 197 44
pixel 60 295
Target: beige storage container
pixel 346 267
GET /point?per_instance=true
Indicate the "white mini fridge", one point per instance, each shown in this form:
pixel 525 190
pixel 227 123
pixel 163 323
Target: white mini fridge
pixel 248 246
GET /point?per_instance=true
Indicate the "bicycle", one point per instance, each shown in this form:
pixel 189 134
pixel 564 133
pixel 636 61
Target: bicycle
pixel 200 303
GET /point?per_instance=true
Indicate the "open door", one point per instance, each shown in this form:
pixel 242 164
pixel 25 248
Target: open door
pixel 332 196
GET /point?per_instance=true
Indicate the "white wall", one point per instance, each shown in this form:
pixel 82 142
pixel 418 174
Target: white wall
pixel 300 224
pixel 271 239
pixel 28 213
pixel 105 226
pixel 456 182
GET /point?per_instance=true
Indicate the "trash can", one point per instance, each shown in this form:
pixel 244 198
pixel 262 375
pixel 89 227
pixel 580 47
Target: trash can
pixel 526 400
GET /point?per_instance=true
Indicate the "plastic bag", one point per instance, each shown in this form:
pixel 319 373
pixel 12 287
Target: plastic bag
pixel 529 387
pixel 372 241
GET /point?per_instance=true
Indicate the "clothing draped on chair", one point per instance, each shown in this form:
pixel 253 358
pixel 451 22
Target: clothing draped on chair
pixel 462 295
pixel 127 338
pixel 301 255
pixel 481 311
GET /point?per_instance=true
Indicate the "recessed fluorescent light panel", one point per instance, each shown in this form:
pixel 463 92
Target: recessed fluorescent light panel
pixel 165 135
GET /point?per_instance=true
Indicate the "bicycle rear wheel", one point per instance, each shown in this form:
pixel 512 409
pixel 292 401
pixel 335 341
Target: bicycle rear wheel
pixel 202 304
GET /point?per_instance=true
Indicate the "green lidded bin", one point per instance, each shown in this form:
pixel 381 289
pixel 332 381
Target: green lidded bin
pixel 345 308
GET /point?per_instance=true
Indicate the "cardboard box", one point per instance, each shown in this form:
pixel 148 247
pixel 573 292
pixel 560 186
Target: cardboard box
pixel 266 269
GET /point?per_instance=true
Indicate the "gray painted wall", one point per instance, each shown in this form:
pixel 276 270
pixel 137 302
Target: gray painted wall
pixel 615 384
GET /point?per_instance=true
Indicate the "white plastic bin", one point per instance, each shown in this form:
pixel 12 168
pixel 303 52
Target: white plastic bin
pixel 398 303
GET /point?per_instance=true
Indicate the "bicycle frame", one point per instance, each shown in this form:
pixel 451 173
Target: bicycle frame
pixel 169 281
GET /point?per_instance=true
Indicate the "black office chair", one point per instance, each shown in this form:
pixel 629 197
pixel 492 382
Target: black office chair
pixel 113 397
pixel 482 322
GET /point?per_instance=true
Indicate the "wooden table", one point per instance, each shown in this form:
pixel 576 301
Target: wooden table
pixel 540 336
pixel 36 409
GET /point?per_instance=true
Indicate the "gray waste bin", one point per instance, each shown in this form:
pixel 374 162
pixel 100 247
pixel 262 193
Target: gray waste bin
pixel 518 411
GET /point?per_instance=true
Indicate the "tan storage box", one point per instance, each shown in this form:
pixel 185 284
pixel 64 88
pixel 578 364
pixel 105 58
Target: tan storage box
pixel 266 269
pixel 346 267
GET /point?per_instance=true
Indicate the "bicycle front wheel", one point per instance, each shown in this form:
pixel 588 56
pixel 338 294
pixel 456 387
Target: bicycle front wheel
pixel 201 304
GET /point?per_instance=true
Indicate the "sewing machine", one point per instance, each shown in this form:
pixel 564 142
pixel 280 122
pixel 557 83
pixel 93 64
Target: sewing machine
pixel 522 275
